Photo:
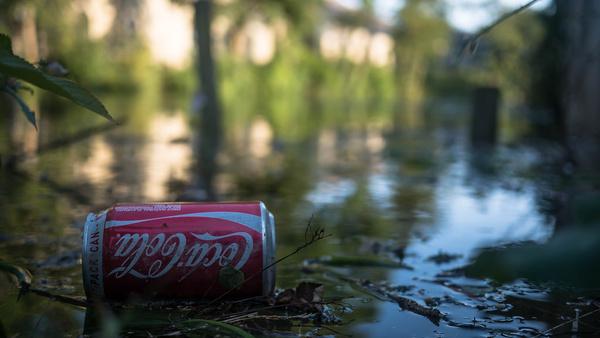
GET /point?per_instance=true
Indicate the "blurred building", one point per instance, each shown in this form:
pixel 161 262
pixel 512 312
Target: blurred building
pixel 167 27
pixel 350 34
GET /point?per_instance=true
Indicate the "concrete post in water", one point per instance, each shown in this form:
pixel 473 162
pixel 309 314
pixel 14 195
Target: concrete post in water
pixel 484 117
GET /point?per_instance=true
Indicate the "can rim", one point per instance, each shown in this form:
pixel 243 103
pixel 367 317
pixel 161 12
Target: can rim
pixel 272 255
pixel 97 220
pixel 268 247
pixel 84 253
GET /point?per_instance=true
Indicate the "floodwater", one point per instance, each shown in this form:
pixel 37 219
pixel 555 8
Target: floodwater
pixel 407 201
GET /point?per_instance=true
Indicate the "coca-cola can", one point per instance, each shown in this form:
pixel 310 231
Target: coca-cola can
pixel 179 251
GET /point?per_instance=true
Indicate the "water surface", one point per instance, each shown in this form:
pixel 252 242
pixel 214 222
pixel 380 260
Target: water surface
pixel 404 188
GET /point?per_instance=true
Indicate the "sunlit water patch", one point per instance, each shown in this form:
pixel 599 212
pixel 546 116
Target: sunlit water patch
pixel 467 221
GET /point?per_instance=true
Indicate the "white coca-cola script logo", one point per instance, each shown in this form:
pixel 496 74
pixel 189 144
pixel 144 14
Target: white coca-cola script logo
pixel 172 251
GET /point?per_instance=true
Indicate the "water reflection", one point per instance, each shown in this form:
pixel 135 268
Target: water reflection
pixel 411 192
pixel 97 167
pixel 168 153
pixel 449 236
pixel 468 220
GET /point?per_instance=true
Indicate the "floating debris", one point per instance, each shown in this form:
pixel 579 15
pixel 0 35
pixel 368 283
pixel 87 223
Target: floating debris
pixel 359 261
pixel 443 258
pixel 384 292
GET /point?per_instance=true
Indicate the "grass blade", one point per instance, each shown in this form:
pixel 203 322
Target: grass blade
pixel 202 323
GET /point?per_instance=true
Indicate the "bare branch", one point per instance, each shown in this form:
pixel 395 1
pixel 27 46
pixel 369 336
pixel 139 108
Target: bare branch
pixel 312 234
pixel 471 43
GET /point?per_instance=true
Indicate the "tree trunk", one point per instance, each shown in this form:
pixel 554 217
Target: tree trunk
pixel 125 26
pixel 210 113
pixel 580 95
pixel 23 138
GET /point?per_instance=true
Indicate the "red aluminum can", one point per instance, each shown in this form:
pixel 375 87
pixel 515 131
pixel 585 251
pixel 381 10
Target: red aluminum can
pixel 178 250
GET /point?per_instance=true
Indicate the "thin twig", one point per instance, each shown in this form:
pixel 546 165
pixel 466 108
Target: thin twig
pixel 567 323
pixel 333 301
pixel 317 234
pixel 242 313
pixel 407 304
pixel 247 316
pixel 338 333
pixel 74 193
pixel 76 137
pixel 269 317
pixel 58 298
pixel 473 39
pixel 244 300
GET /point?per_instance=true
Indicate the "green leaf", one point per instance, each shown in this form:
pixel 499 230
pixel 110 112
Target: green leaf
pixel 5 44
pixel 203 323
pixel 25 88
pixel 29 114
pixel 14 66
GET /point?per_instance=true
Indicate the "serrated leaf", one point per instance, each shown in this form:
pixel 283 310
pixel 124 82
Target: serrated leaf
pixel 14 66
pixel 5 44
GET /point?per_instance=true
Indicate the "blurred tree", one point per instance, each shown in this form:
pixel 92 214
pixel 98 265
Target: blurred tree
pixel 118 62
pixel 580 103
pixel 301 16
pixel 506 53
pixel 19 19
pixel 210 110
pixel 131 64
pixel 545 70
pixel 125 25
pixel 422 37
